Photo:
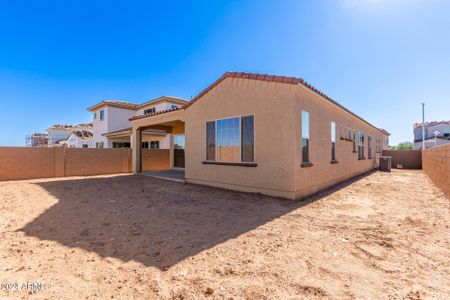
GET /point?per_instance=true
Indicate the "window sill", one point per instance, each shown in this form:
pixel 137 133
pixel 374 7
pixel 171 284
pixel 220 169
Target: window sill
pixel 307 165
pixel 355 151
pixel 223 163
pixel 370 157
pixel 362 158
pixel 333 162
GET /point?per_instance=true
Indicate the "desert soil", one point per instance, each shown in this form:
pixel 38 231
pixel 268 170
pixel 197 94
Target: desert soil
pixel 379 236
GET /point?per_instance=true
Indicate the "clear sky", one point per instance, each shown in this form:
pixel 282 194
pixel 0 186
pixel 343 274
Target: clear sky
pixel 379 58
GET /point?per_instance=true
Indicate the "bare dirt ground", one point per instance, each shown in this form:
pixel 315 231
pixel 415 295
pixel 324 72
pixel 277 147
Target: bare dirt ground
pixel 380 236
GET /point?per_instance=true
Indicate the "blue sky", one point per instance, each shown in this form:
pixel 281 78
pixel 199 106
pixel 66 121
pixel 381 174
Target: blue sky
pixel 379 58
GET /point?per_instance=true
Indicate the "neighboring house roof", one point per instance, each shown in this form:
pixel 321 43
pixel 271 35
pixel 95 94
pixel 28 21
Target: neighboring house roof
pixel 133 106
pixel 115 103
pixel 263 77
pixel 161 99
pixel 83 134
pixel 429 124
pixel 154 114
pixel 70 127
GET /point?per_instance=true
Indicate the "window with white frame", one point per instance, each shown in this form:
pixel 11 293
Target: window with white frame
pixel 377 145
pixel 102 115
pixel 354 140
pixel 305 137
pixel 333 141
pixel 230 140
pixel 154 145
pixel 361 145
pixel 151 110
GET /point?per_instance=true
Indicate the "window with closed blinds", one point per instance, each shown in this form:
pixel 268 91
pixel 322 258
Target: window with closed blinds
pixel 211 140
pixel 248 139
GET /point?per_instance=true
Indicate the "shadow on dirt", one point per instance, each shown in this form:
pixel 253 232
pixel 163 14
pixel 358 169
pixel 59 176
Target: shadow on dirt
pixel 153 221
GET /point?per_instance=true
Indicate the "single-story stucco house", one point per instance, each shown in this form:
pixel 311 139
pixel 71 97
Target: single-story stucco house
pixel 275 135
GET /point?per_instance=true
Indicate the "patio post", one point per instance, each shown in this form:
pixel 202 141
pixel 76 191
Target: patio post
pixel 136 149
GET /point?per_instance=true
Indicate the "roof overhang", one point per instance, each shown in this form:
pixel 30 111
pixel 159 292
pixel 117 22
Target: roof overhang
pixel 279 79
pixel 118 133
pixel 162 99
pixel 117 104
pixel 126 132
pixel 132 106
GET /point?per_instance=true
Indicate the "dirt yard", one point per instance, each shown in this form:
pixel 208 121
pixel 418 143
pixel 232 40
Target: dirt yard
pixel 380 236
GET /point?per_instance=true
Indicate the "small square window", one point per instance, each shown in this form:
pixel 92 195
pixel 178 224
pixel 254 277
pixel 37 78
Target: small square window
pixel 149 111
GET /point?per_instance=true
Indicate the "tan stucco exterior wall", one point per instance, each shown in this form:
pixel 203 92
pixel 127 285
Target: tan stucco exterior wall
pixel 272 106
pixel 276 108
pixel 324 174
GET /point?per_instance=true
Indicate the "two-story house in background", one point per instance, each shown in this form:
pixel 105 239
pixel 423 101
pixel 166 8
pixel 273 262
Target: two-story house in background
pixel 80 139
pixel 436 133
pixel 112 128
pixel 57 135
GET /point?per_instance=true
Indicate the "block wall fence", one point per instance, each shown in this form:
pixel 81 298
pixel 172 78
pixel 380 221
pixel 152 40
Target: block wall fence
pixel 436 165
pixel 409 159
pixel 18 163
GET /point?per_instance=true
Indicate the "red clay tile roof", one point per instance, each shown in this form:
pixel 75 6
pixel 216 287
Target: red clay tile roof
pixel 154 114
pixel 162 98
pixel 275 78
pixel 262 77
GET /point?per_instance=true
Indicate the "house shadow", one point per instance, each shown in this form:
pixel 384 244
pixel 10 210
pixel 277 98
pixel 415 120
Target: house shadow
pixel 152 221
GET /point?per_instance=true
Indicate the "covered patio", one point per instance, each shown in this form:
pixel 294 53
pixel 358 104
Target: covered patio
pixel 154 139
pixel 172 175
pixel 171 124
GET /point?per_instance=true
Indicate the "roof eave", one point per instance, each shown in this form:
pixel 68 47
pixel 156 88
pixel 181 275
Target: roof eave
pixel 280 79
pixel 161 99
